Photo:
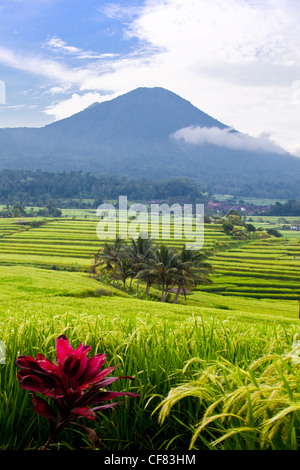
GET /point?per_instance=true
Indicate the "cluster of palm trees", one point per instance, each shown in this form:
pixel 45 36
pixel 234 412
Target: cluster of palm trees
pixel 174 271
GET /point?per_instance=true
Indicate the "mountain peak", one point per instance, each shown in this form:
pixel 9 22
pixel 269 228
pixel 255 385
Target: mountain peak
pixel 160 111
pixel 130 135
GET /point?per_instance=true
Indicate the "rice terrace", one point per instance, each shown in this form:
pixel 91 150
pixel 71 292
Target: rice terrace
pixel 209 362
pixel 149 230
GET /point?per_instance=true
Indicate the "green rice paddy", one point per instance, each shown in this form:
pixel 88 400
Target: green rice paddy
pixel 228 343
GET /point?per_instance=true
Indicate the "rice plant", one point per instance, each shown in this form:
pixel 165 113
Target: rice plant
pixel 255 407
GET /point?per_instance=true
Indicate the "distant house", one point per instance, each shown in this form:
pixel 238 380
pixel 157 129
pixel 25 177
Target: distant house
pixel 213 204
pixel 22 222
pixel 226 206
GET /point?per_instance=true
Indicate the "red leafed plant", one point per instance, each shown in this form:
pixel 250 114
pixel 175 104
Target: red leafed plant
pixel 74 383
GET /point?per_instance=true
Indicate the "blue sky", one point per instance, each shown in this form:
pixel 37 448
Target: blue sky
pixel 237 60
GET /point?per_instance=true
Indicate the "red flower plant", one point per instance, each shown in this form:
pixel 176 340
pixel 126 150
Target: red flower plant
pixel 75 384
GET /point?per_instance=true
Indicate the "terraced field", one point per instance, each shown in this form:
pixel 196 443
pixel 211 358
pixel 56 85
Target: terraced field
pixel 267 222
pixel 261 268
pixel 69 243
pixel 221 350
pixel 8 227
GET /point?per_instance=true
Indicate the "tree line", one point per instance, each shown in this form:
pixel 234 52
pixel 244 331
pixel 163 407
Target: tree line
pixel 19 210
pixel 289 208
pixel 173 270
pixel 85 190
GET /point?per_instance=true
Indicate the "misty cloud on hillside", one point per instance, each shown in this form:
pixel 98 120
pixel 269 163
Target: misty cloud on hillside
pixel 226 138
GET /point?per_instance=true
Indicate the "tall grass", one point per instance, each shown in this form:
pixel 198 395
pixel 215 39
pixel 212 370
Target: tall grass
pixel 251 407
pixel 158 353
pixel 219 382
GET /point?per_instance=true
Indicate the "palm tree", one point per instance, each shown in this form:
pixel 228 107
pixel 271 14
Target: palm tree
pixel 108 257
pixel 161 268
pixel 164 265
pixel 192 269
pixel 122 269
pixel 139 253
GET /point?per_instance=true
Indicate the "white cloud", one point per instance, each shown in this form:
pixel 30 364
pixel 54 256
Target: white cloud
pixel 42 66
pixel 56 90
pixel 73 105
pixel 116 11
pixel 61 77
pixel 236 60
pixel 59 45
pixel 226 32
pixel 227 137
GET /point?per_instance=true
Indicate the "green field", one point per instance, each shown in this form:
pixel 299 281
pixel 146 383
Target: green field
pixel 267 222
pixel 213 372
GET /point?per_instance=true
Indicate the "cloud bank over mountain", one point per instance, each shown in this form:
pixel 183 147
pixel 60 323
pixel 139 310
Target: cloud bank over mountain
pixel 237 59
pixel 129 136
pixel 227 138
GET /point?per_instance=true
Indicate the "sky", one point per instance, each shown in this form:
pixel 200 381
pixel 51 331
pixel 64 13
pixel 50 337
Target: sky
pixel 236 60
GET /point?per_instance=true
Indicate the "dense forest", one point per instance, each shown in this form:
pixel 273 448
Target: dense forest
pixel 85 190
pixel 75 189
pixel 290 208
